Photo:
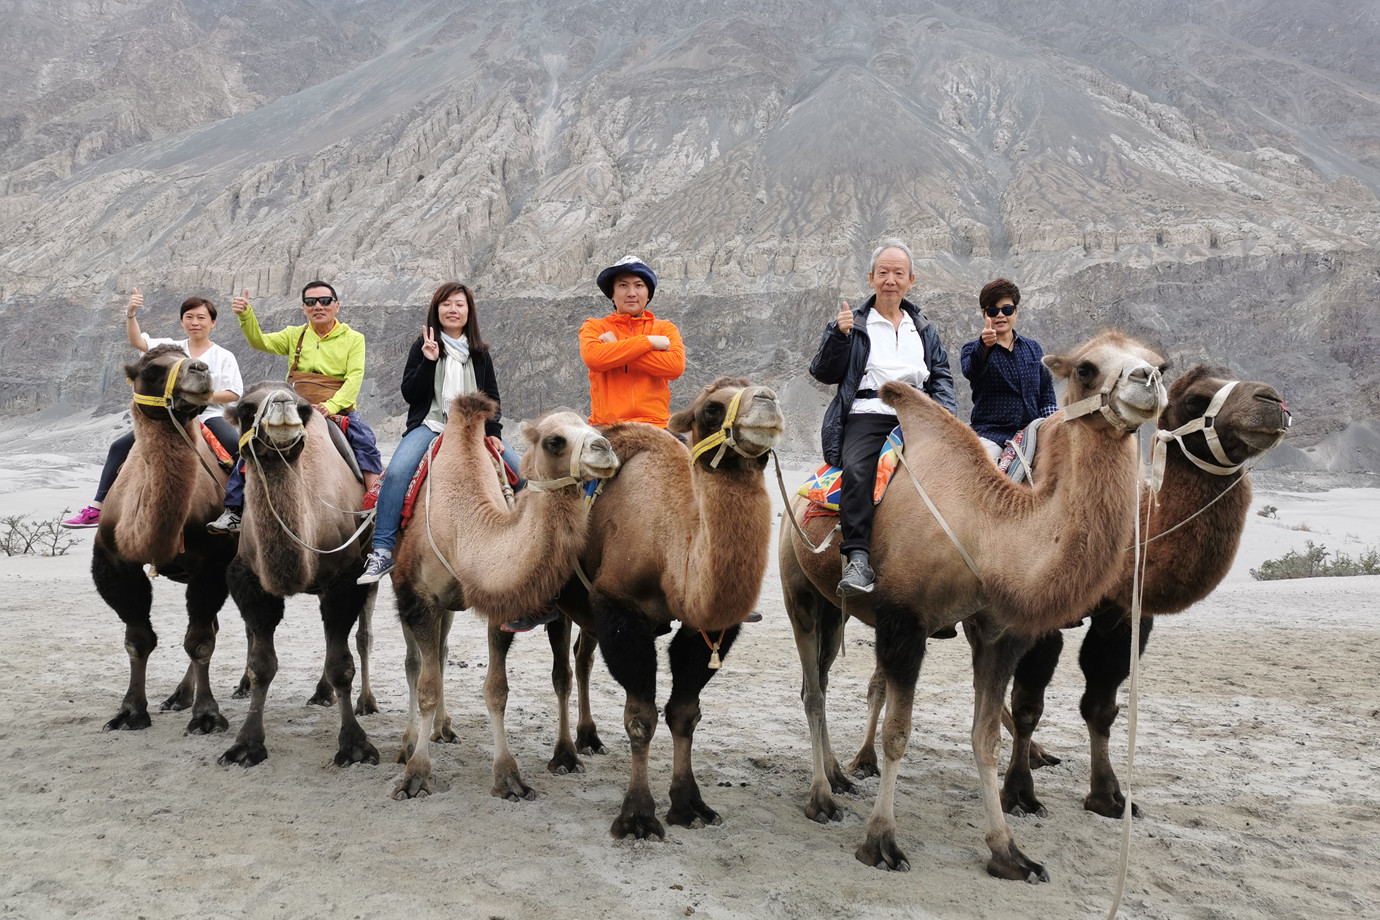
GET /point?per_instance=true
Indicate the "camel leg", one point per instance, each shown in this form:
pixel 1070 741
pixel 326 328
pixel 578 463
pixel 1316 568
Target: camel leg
pixel 508 782
pixel 629 648
pixel 564 760
pixel 1033 674
pixel 994 661
pixel 341 604
pixel 242 688
pixel 262 613
pixel 421 625
pixel 206 594
pixel 690 672
pixel 817 640
pixel 1106 662
pixel 125 587
pixel 865 761
pixel 185 692
pixel 586 734
pixel 365 703
pixel 441 728
pixel 900 652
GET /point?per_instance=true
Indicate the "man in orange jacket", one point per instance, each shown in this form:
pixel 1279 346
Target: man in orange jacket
pixel 632 356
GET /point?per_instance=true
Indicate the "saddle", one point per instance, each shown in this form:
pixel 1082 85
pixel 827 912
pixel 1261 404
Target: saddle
pixel 825 487
pixel 222 455
pixel 337 425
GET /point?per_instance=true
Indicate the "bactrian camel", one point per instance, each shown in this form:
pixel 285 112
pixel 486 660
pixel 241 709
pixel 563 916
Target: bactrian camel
pixel 1186 558
pixel 156 513
pixel 507 562
pixel 677 535
pixel 1070 530
pixel 302 501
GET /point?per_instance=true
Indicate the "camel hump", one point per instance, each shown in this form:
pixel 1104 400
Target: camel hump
pixel 898 395
pixel 473 406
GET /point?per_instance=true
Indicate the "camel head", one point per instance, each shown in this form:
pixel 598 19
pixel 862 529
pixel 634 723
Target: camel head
pixel 275 416
pixel 561 444
pixel 165 378
pixel 731 413
pixel 1219 420
pixel 1112 379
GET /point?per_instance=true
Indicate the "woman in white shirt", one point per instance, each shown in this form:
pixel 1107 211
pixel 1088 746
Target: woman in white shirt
pixel 198 319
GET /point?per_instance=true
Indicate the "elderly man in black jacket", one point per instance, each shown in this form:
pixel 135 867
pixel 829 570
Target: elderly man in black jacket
pixel 887 338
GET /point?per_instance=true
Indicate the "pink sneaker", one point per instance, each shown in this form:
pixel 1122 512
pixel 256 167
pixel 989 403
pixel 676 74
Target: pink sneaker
pixel 90 516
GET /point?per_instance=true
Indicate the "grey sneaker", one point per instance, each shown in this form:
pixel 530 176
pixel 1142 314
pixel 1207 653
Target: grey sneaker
pixel 228 522
pixel 376 566
pixel 857 577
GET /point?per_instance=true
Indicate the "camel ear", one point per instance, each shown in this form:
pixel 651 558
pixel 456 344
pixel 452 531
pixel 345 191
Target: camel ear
pixel 1057 364
pixel 529 433
pixel 680 422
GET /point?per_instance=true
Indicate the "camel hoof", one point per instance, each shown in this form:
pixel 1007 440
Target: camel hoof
pixel 822 809
pixel 319 699
pixel 242 689
pixel 177 702
pixel 125 721
pixel 366 705
pixel 512 789
pixel 209 723
pixel 1109 805
pixel 357 752
pixel 413 787
pixel 588 743
pixel 864 768
pixel 445 734
pixel 1039 757
pixel 882 853
pixel 841 785
pixel 246 755
pixel 639 827
pixel 562 765
pixel 1014 865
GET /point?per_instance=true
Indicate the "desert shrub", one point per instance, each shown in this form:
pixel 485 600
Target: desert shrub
pixel 1268 511
pixel 1313 562
pixel 20 536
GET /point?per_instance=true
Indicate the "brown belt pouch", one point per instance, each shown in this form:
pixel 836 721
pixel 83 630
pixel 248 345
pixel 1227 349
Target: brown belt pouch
pixel 314 388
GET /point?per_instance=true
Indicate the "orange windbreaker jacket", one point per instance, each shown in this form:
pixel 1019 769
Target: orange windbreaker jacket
pixel 629 381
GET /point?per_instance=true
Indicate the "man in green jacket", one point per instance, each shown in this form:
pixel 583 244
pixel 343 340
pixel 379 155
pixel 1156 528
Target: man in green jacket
pixel 324 346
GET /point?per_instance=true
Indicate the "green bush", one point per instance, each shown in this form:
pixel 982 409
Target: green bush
pixel 21 537
pixel 1313 563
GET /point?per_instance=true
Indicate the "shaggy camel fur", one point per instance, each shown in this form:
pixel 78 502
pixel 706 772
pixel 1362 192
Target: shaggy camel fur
pixel 298 490
pixel 1071 528
pixel 1183 565
pixel 677 536
pixel 508 562
pixel 156 513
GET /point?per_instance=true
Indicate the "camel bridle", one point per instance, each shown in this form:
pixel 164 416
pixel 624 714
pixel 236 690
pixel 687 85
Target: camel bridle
pixel 1207 424
pixel 165 402
pixel 1101 400
pixel 723 438
pixel 573 478
pixel 250 438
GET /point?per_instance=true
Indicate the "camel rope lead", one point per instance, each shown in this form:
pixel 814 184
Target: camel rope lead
pixel 268 499
pixel 786 510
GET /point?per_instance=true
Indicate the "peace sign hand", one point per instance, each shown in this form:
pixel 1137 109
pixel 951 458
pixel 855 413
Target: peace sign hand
pixel 430 349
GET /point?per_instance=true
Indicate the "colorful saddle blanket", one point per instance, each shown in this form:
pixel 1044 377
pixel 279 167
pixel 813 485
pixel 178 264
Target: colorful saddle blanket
pixel 1022 446
pixel 825 486
pixel 414 485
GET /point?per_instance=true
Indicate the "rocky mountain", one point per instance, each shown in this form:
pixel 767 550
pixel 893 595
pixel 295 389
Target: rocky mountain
pixel 1203 175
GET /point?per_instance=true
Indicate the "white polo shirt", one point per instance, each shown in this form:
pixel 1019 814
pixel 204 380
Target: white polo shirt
pixel 897 353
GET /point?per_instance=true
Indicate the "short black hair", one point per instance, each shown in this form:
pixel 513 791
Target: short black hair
pixel 311 284
pixel 191 303
pixel 994 291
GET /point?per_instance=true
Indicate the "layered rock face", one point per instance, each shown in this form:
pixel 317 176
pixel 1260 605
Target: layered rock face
pixel 1203 179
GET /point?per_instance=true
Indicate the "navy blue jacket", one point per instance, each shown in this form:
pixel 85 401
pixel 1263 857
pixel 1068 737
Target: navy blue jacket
pixel 842 359
pixel 1010 388
pixel 419 386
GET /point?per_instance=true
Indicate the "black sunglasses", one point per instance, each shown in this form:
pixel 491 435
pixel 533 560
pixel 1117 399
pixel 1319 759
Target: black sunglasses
pixel 326 301
pixel 1004 311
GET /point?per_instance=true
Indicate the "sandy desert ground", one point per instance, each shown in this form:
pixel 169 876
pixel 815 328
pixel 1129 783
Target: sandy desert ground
pixel 1256 767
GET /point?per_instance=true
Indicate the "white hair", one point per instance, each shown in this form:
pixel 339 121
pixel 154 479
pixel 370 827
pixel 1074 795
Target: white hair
pixel 892 242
